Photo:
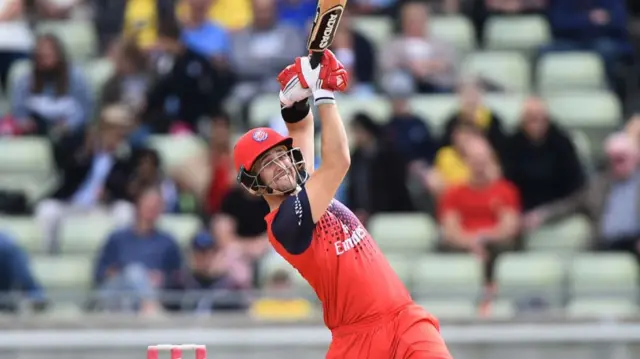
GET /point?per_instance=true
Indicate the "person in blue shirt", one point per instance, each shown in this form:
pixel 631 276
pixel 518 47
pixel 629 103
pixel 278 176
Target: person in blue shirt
pixel 16 275
pixel 201 34
pixel 136 263
pixel 297 13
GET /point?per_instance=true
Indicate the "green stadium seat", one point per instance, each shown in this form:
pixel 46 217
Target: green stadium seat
pixel 78 36
pixel 455 30
pixel 402 265
pixel 597 308
pixel 262 109
pixel 570 71
pixel 28 155
pixel 451 309
pixel 24 231
pixel 175 150
pixel 412 233
pixel 526 274
pixel 604 274
pixel 85 234
pixel 64 311
pixel 447 274
pixel 502 309
pixel 434 109
pixel 508 69
pixel 63 272
pixel 585 109
pixel 273 263
pixel 182 226
pixel 521 33
pixel 378 30
pixel 583 146
pixel 508 107
pixel 98 72
pixel 568 235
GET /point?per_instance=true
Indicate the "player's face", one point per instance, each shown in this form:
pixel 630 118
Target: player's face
pixel 277 170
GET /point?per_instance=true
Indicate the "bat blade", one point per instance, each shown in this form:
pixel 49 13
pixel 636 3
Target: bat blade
pixel 325 25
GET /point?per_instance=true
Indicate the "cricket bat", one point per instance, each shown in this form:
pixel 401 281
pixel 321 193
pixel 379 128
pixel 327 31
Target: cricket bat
pixel 325 24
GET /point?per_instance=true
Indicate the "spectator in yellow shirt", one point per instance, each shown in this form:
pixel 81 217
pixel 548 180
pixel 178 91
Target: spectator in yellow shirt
pixel 230 14
pixel 449 163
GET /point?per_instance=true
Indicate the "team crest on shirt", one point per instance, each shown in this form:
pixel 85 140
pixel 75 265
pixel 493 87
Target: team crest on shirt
pixel 260 136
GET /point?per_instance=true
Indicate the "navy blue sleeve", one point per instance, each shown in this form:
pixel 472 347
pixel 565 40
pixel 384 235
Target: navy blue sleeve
pixel 107 258
pixel 293 225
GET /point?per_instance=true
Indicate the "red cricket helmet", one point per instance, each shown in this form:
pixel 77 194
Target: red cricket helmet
pixel 255 143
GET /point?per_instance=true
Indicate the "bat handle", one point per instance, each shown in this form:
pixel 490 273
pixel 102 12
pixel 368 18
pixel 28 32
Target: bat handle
pixel 316 57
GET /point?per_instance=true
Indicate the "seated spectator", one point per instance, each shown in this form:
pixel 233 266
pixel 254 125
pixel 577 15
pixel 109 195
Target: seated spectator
pixel 377 178
pixel 92 167
pixel 279 301
pixel 240 224
pixel 210 175
pixel 147 172
pixel 54 97
pixel 610 199
pixel 130 82
pixel 233 15
pixel 415 53
pixel 481 216
pixel 599 26
pixel 189 89
pixel 260 51
pixel 16 39
pixel 138 261
pixel 483 9
pixel 357 55
pixel 450 167
pixel 298 13
pixel 202 35
pixel 62 9
pixel 16 277
pixel 632 127
pixel 214 280
pixel 540 160
pixel 371 7
pixel 473 111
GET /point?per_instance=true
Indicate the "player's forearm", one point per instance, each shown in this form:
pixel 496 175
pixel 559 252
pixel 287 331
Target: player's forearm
pixel 335 144
pixel 301 127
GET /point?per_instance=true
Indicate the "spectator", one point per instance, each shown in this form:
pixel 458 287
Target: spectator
pixel 91 167
pixel 280 301
pixel 61 10
pixel 215 279
pixel 189 89
pixel 431 63
pixel 377 180
pixel 541 160
pixel 233 15
pixel 438 6
pixel 147 172
pixel 482 215
pixel 54 96
pixel 202 35
pixel 483 9
pixel 357 55
pixel 240 225
pixel 610 199
pixel 16 39
pixel 16 275
pixel 450 167
pixel 371 7
pixel 599 26
pixel 632 127
pixel 260 51
pixel 138 261
pixel 210 175
pixel 473 111
pixel 130 82
pixel 138 18
pixel 298 13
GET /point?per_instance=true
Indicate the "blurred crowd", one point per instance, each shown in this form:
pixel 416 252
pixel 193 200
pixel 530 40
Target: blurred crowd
pixel 180 65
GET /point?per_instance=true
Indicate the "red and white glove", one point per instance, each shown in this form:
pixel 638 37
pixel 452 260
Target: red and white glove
pixel 298 81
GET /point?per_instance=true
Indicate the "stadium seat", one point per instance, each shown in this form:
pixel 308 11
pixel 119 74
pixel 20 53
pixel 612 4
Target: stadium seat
pixel 412 233
pixel 503 309
pixel 262 109
pixel 434 109
pixel 98 72
pixel 530 274
pixel 24 231
pixel 402 265
pixel 597 308
pixel 604 274
pixel 63 272
pixel 273 263
pixel 510 70
pixel 175 150
pixel 452 309
pixel 64 311
pixel 447 275
pixel 182 226
pixel 78 36
pixel 569 72
pixel 584 148
pixel 377 29
pixel 85 234
pixel 27 155
pixel 521 33
pixel 567 235
pixel 508 107
pixel 455 30
pixel 584 110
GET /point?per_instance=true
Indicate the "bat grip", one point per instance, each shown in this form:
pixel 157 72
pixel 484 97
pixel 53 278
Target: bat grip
pixel 316 57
